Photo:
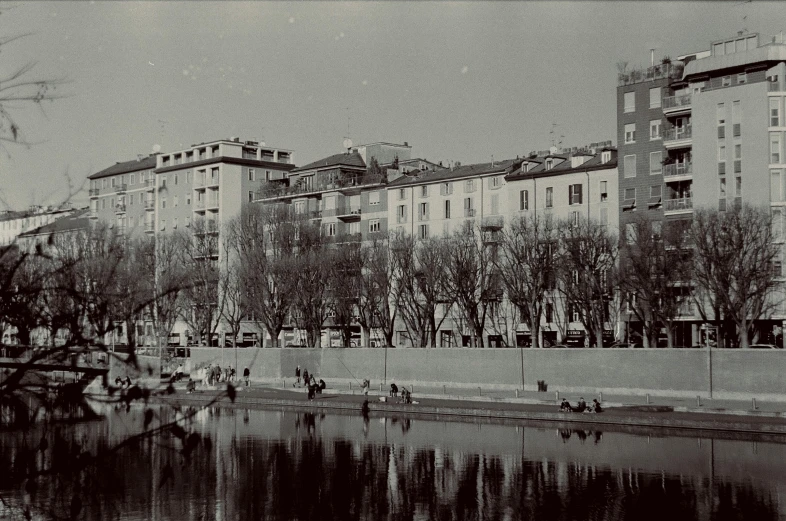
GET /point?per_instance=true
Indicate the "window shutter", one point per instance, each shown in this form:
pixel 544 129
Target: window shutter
pixel 579 193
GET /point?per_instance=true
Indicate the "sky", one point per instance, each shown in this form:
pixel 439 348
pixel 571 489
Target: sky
pixel 460 81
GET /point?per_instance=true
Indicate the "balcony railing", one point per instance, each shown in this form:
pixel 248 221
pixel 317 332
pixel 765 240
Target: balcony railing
pixel 270 190
pixel 150 227
pixel 150 205
pixel 656 72
pixel 674 205
pixel 493 222
pixel 678 133
pixel 469 212
pixel 676 102
pixel 93 192
pixel 121 188
pixel 775 86
pixel 348 210
pixel 677 169
pixel 345 238
pixel 199 204
pixel 150 184
pixel 120 208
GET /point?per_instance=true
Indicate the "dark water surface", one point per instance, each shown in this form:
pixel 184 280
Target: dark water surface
pixel 303 466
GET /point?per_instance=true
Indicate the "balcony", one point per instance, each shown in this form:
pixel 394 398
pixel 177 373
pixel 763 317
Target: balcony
pixel 678 137
pixel 271 190
pixel 119 189
pixel 348 213
pixel 345 238
pixel 206 227
pixel 469 212
pixel 93 192
pixel 93 214
pixel 676 206
pixel 120 208
pixel 677 172
pixel 150 184
pixel 676 105
pixel 776 86
pixel 150 205
pixel 494 222
pixel 656 72
pixel 150 227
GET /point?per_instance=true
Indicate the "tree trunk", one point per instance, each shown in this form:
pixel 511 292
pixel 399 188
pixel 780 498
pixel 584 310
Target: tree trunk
pixel 744 344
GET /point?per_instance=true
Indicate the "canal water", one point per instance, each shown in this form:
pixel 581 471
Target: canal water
pixel 252 464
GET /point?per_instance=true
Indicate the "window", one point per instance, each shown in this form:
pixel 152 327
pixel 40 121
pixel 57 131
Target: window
pixel 549 313
pixel 777 224
pixel 655 191
pixel 447 209
pixel 469 185
pixel 189 156
pixel 354 228
pixel 103 203
pixel 630 233
pixel 188 200
pixel 163 202
pixel 776 186
pixel 469 210
pixel 423 211
pixel 524 200
pixel 655 97
pixel 214 175
pixel 113 182
pixel 549 164
pixel 549 197
pixel 373 226
pixel 402 194
pixel 774 112
pixel 330 229
pixel 373 198
pixel 604 216
pixel 163 181
pixel 737 158
pixel 605 156
pixel 163 225
pixel 630 193
pixel 656 166
pixel 630 101
pixel 738 186
pixel 495 204
pixel 132 179
pixel 720 113
pixel 214 152
pixel 175 181
pixel 495 182
pixel 604 191
pixel 251 174
pixel 775 147
pixel 202 153
pixel 574 193
pixel 574 218
pixel 721 152
pixel 250 196
pixel 722 187
pixel 424 191
pixel 736 114
pixel 174 223
pixel 630 133
pixel 655 129
pixel 446 188
pixel 742 77
pixel 726 81
pixel 629 165
pixel 174 202
pixel 401 213
pixel 423 231
pixel 187 222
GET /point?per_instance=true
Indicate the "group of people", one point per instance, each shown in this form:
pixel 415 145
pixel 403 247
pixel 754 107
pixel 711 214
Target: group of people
pixel 123 383
pixel 406 395
pixel 582 406
pixel 213 374
pixel 309 382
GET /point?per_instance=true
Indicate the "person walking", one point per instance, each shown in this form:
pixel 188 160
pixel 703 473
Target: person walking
pixel 246 375
pixel 297 376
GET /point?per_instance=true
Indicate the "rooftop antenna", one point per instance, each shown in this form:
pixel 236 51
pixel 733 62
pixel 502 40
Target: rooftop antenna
pixel 347 141
pixel 551 133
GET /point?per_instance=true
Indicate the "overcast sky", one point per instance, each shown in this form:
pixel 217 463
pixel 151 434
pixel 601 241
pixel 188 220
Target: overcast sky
pixel 458 81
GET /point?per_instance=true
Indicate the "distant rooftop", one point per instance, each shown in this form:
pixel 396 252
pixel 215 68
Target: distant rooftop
pixel 124 167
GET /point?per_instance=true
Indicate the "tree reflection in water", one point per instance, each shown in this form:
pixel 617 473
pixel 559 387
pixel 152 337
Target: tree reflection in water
pixel 286 465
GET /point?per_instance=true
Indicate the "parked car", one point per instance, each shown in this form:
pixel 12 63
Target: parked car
pixel 763 346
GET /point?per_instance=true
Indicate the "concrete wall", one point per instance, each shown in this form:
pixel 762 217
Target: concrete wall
pixel 666 372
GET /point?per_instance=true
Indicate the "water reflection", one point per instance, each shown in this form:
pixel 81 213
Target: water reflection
pixel 287 465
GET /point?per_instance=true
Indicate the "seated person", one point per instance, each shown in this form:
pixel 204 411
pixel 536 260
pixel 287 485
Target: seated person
pixel 393 390
pixel 565 406
pixel 581 406
pixel 312 390
pixel 190 386
pixel 321 386
pixel 596 406
pixel 406 395
pixel 118 381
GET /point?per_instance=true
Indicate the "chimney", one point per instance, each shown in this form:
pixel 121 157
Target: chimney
pixel 140 157
pixel 652 57
pixel 406 144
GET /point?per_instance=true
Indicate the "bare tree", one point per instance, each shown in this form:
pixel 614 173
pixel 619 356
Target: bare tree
pixel 527 266
pixel 654 274
pixel 734 257
pixel 378 300
pixel 311 281
pixel 471 280
pixel 345 287
pixel 587 265
pixel 199 254
pixel 420 283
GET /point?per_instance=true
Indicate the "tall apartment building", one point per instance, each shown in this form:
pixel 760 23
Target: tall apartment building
pixel 718 131
pixel 119 194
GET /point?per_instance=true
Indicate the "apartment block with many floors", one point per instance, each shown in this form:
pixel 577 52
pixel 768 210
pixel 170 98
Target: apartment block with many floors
pixel 15 223
pixel 721 139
